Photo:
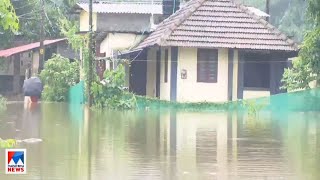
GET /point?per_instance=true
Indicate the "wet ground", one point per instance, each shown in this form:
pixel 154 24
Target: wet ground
pixel 66 142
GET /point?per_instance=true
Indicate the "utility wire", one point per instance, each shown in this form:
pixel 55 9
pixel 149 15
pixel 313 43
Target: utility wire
pixel 215 62
pixel 26 5
pixel 22 15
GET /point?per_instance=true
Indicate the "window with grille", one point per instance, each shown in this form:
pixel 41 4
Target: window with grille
pixel 207 65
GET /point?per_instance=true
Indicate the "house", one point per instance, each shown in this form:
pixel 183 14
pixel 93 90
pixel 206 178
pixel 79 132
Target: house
pixel 15 61
pixel 119 26
pixel 214 51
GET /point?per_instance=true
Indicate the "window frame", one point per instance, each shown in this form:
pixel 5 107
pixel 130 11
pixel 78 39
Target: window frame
pixel 201 52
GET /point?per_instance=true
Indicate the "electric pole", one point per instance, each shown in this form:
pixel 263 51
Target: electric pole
pixel 90 59
pixel 267 9
pixel 42 48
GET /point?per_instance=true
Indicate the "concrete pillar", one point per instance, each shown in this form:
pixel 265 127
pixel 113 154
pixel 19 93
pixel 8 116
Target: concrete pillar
pixel 235 75
pixel 35 63
pixel 240 86
pixel 16 74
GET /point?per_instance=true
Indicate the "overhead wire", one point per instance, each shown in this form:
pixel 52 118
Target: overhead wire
pixel 25 5
pixel 237 62
pixel 22 15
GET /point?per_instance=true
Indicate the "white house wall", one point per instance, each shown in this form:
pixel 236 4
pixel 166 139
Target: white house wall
pixel 235 75
pixel 165 86
pixel 118 41
pixel 189 90
pixel 249 94
pixel 84 21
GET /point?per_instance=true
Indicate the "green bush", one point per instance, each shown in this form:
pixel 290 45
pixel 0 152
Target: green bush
pixel 3 103
pixel 110 92
pixel 58 76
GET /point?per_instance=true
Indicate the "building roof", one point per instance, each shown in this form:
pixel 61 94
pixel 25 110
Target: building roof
pixel 122 1
pixel 258 12
pixel 218 24
pixel 28 47
pixel 121 7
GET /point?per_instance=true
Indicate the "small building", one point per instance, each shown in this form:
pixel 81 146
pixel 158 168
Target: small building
pixel 213 51
pixel 119 25
pixel 15 61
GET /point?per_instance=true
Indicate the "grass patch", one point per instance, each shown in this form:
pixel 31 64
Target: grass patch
pixel 154 103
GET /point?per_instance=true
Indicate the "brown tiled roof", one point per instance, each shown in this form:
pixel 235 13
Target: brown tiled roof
pixel 218 24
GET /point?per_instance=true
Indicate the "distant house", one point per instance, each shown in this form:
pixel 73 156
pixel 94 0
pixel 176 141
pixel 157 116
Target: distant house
pixel 119 26
pixel 15 61
pixel 214 51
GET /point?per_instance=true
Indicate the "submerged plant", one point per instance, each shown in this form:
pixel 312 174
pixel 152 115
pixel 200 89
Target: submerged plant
pixel 58 76
pixel 9 143
pixel 155 103
pixel 110 92
pixel 253 108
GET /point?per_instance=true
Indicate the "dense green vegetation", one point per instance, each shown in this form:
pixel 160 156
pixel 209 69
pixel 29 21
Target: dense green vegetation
pixel 306 68
pixel 29 14
pixel 8 18
pixel 287 15
pixel 8 143
pixel 110 92
pixel 58 76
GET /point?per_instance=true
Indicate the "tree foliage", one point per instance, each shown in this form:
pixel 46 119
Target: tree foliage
pixel 111 93
pixel 58 76
pixel 29 14
pixel 8 143
pixel 314 12
pixel 306 68
pixel 287 15
pixel 8 18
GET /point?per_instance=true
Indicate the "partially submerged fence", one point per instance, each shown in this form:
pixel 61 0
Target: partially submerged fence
pixel 76 94
pixel 300 101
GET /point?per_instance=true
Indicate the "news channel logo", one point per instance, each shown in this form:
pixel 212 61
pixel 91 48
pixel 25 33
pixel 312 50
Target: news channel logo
pixel 16 161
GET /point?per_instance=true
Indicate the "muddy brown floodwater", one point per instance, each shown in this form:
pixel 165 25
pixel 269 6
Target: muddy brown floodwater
pixel 64 142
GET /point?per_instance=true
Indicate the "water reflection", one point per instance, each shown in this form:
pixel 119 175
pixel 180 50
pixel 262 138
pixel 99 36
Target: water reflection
pixel 80 144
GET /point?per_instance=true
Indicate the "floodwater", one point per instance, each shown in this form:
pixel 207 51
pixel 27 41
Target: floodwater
pixel 82 145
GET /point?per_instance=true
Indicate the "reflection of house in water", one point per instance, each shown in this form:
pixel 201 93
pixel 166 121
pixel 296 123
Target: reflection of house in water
pixel 205 146
pixel 173 145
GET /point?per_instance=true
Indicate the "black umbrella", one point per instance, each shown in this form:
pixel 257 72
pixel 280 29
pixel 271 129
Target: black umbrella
pixel 32 87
